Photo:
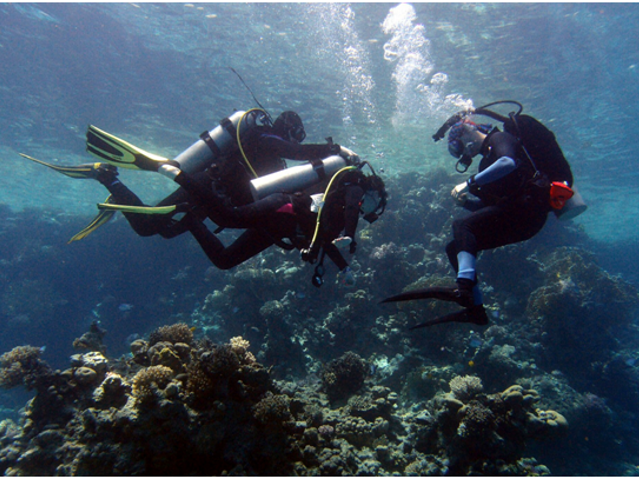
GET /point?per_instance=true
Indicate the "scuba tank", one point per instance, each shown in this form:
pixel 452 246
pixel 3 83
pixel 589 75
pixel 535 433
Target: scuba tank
pixel 212 145
pixel 296 178
pixel 573 207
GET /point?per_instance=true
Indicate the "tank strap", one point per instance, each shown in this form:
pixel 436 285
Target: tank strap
pixel 318 167
pixel 228 126
pixel 206 138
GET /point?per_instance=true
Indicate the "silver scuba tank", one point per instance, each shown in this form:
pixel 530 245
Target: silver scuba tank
pixel 220 141
pixel 573 207
pixel 296 178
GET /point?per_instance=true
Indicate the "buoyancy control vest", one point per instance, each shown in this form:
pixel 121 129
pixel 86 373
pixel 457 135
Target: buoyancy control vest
pixel 541 147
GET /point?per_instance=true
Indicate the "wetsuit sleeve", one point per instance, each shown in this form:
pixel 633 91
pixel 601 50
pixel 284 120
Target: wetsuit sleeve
pixel 494 172
pixel 353 196
pixel 293 151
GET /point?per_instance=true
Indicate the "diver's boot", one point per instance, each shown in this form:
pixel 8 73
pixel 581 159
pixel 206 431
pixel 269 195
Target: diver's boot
pixel 104 173
pixel 464 292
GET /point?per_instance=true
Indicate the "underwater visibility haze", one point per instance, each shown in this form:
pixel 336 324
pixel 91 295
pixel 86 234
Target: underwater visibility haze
pixel 131 355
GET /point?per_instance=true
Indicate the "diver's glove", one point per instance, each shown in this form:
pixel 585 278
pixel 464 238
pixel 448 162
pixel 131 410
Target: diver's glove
pixel 349 155
pixel 346 277
pixel 308 255
pixel 460 193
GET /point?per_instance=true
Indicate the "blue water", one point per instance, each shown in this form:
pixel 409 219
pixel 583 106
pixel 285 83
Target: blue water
pixel 378 78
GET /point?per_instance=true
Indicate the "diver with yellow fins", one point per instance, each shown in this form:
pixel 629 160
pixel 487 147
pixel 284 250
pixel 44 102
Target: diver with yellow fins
pixel 523 175
pixel 318 225
pixel 234 174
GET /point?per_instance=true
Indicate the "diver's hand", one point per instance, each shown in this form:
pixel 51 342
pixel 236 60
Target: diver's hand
pixel 343 242
pixel 460 193
pixel 346 277
pixel 348 155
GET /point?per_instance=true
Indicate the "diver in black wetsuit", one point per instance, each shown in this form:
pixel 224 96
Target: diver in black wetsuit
pixel 216 192
pixel 509 208
pixel 281 216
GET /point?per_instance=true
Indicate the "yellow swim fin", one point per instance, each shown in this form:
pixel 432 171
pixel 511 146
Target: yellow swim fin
pixel 118 152
pixel 88 170
pixel 102 217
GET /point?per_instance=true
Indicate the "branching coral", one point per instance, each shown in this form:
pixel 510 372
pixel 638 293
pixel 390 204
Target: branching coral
pixel 465 387
pixel 175 333
pixel 23 366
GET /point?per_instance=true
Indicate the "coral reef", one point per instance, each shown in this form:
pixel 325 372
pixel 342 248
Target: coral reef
pixel 336 384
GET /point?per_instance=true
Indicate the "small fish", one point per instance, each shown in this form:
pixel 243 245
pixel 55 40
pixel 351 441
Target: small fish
pixel 124 307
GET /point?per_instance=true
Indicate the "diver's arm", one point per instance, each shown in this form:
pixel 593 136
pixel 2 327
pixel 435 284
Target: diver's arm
pixel 494 172
pixel 352 197
pixel 294 151
pixel 497 170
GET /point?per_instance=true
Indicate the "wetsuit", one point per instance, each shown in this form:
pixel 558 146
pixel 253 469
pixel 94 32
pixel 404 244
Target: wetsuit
pixel 508 209
pixel 217 191
pixel 280 216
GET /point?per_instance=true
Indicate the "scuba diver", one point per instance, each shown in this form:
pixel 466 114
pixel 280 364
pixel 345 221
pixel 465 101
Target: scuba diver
pixel 522 176
pixel 214 174
pixel 317 225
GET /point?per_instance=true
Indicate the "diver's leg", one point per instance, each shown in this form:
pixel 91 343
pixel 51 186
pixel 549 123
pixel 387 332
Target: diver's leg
pixel 143 225
pixel 249 244
pixel 489 228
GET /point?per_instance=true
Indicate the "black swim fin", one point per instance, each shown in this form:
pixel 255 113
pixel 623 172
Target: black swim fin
pixel 443 293
pixel 474 315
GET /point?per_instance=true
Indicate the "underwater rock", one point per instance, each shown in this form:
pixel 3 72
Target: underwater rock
pixel 92 339
pixel 94 360
pixel 85 376
pixel 175 356
pixel 112 392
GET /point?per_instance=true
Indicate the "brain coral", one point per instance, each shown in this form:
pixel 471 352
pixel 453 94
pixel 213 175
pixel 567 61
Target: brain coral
pixel 147 382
